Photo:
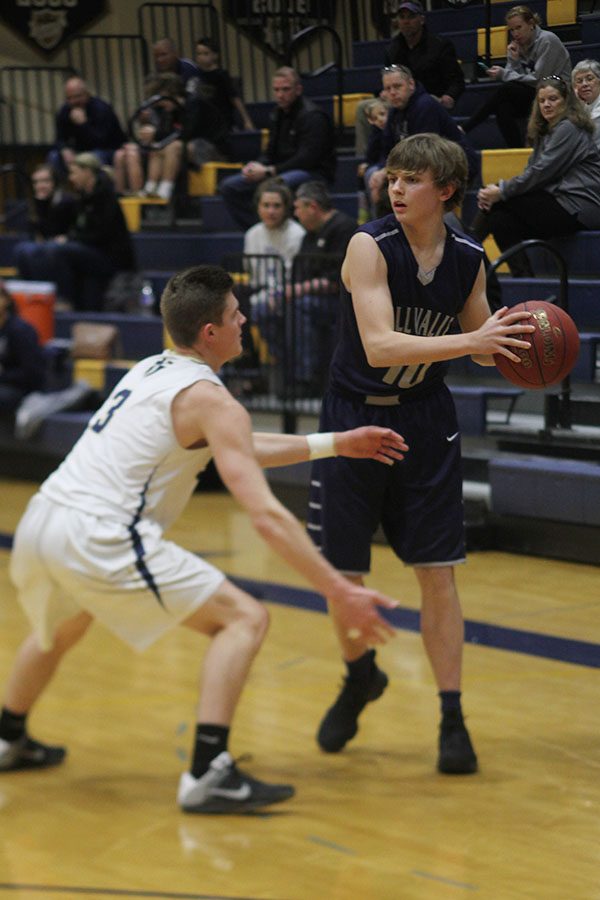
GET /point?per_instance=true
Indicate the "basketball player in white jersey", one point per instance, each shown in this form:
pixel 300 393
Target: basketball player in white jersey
pixel 90 544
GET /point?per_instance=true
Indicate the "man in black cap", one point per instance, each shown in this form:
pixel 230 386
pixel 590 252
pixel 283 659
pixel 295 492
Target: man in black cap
pixel 431 59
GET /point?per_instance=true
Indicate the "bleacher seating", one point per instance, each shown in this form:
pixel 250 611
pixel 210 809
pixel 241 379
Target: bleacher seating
pixel 538 487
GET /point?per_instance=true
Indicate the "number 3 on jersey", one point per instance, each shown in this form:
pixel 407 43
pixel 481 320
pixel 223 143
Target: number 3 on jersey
pixel 119 400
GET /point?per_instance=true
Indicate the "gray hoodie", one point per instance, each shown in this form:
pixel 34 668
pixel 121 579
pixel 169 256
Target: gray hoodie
pixel 566 164
pixel 547 55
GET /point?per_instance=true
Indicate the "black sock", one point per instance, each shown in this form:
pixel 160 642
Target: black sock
pixel 450 702
pixel 210 741
pixel 12 725
pixel 360 669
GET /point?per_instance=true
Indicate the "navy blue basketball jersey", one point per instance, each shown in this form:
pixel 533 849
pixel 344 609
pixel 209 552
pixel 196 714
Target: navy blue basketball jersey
pixel 421 309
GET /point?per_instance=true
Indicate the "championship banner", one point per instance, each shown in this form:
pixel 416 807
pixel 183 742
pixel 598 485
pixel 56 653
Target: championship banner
pixel 48 24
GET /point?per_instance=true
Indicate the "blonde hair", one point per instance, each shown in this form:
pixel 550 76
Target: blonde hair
pixel 373 105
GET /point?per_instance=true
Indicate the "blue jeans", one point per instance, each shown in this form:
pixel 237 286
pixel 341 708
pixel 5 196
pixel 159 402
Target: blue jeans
pixel 55 159
pixel 238 194
pixel 81 273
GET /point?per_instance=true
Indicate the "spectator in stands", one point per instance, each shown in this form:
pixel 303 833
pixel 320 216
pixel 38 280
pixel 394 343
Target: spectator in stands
pixel 430 57
pixel 97 246
pixel 84 124
pixel 301 147
pixel 167 59
pixel 328 231
pixel 586 84
pixel 22 367
pixel 413 111
pixel 216 86
pixel 53 208
pixel 559 191
pixel 52 213
pixel 167 127
pixel 277 233
pixel 531 54
pixel 315 284
pixel 376 112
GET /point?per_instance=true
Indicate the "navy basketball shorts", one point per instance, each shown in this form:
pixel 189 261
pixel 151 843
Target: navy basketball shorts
pixel 417 501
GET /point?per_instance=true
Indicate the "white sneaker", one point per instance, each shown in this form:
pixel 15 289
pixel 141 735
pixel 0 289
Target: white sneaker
pixel 226 789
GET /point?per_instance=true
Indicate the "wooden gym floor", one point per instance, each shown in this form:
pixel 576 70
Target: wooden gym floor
pixel 375 822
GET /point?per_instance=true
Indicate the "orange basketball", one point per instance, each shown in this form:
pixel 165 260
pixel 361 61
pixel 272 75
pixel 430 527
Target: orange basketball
pixel 554 347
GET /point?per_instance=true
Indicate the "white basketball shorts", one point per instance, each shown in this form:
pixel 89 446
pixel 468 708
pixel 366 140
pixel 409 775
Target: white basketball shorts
pixel 130 579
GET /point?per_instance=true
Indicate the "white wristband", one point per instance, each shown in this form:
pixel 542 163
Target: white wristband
pixel 320 445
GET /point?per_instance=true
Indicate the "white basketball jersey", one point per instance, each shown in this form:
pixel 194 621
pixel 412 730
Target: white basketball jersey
pixel 128 465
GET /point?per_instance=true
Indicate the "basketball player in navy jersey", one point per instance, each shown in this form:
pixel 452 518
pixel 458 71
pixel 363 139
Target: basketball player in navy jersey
pixel 408 281
pixel 90 544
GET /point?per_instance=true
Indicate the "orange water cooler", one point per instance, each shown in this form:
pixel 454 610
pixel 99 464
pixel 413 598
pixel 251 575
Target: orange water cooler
pixel 35 303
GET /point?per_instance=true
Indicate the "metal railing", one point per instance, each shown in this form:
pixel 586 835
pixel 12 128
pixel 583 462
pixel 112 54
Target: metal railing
pixel 114 66
pixel 31 97
pixel 289 337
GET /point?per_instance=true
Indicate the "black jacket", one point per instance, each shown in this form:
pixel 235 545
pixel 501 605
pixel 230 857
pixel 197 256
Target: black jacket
pixel 100 223
pixel 102 130
pixel 52 217
pixel 432 61
pixel 302 137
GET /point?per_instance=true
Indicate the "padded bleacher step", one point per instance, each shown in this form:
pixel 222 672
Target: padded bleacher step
pixel 539 487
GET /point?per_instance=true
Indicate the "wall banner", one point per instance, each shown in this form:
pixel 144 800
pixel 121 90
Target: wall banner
pixel 48 24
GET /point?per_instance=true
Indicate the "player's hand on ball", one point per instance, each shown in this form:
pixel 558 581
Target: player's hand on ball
pixel 357 615
pixel 503 331
pixel 371 442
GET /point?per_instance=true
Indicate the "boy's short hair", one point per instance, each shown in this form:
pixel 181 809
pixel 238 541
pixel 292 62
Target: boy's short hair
pixel 445 160
pixel 315 192
pixel 192 299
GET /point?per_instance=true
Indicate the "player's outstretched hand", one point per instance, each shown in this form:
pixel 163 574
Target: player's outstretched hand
pixel 357 615
pixel 371 442
pixel 503 330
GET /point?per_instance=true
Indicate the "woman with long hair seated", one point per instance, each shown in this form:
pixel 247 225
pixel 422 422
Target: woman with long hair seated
pixel 559 191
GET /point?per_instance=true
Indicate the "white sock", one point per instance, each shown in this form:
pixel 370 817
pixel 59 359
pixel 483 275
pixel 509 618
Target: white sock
pixel 165 189
pixel 150 187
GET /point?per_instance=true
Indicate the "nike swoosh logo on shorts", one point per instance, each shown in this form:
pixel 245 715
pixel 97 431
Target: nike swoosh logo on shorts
pixel 241 793
pixel 453 437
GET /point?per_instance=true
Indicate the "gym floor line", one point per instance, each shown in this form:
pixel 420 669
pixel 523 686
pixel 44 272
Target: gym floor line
pixel 515 640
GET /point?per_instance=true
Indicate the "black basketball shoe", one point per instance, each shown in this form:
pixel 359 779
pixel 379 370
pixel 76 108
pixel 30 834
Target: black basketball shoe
pixel 456 756
pixel 340 723
pixel 226 789
pixel 25 753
